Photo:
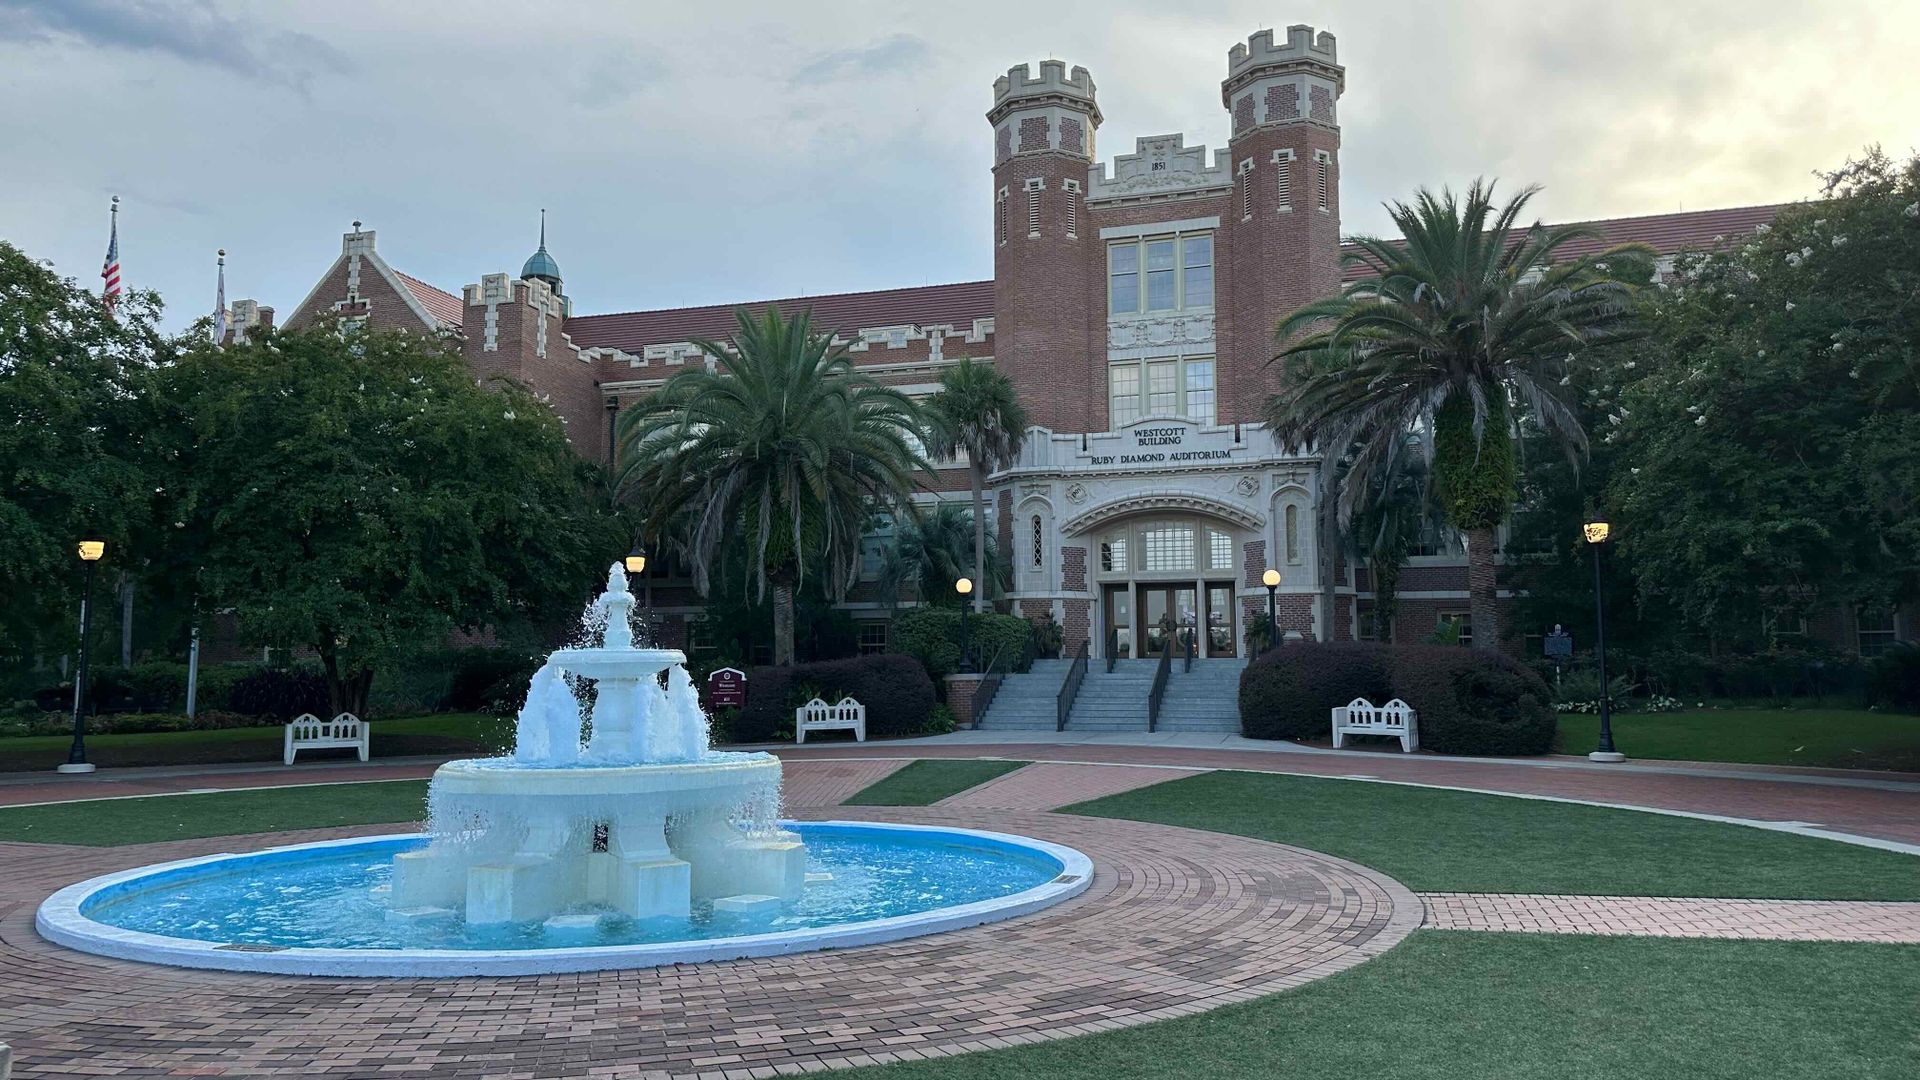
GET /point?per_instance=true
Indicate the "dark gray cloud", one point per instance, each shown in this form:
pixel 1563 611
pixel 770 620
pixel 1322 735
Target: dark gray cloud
pixel 194 31
pixel 897 52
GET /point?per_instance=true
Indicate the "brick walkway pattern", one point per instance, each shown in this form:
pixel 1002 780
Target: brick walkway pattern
pixel 830 783
pixel 1176 922
pixel 1049 785
pixel 1654 916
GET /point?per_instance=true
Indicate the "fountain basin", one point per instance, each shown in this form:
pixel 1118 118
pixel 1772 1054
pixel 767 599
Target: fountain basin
pixel 316 909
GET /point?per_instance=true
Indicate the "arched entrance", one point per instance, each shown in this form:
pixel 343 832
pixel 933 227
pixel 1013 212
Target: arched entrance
pixel 1165 568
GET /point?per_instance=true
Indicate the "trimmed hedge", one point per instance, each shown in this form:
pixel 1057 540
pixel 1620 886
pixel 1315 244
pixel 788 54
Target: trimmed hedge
pixel 1470 702
pixel 933 635
pixel 896 690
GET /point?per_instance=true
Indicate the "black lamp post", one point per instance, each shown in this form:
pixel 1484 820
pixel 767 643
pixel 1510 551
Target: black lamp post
pixel 1597 533
pixel 964 587
pixel 1271 579
pixel 90 553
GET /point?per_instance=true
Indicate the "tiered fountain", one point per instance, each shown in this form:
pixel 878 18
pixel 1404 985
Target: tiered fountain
pixel 634 845
pixel 641 818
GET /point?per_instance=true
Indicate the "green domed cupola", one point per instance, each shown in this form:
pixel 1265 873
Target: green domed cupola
pixel 540 265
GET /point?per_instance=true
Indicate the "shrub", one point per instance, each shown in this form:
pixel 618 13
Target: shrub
pixel 1896 678
pixel 488 679
pixel 1473 702
pixel 934 635
pixel 1286 693
pixel 1470 702
pixel 896 690
pixel 280 693
pixel 157 685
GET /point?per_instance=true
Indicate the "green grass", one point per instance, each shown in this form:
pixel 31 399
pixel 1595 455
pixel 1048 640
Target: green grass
pixel 1825 738
pixel 112 822
pixel 1455 1005
pixel 926 782
pixel 441 733
pixel 1455 841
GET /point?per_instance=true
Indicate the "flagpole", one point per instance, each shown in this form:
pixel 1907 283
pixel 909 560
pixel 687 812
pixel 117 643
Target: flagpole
pixel 110 268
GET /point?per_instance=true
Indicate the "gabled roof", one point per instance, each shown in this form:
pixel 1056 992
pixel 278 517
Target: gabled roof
pixel 439 303
pixel 1667 233
pixel 957 305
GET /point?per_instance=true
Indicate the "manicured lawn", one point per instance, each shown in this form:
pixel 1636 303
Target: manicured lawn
pixel 441 733
pixel 1825 738
pixel 1455 841
pixel 111 822
pixel 1466 1006
pixel 926 782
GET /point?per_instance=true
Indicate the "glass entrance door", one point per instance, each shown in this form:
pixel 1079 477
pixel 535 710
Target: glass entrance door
pixel 1219 639
pixel 1165 609
pixel 1118 610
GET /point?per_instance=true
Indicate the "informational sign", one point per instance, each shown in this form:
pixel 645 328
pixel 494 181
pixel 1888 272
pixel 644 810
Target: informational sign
pixel 727 688
pixel 1559 644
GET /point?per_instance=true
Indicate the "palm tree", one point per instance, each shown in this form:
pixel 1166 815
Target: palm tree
pixel 977 411
pixel 933 547
pixel 789 449
pixel 1459 324
pixel 1394 511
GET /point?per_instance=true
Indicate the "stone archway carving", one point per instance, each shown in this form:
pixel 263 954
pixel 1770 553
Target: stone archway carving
pixel 1192 502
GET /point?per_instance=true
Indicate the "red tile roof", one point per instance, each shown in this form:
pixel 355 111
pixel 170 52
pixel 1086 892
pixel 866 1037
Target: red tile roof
pixel 964 301
pixel 957 305
pixel 1668 233
pixel 439 303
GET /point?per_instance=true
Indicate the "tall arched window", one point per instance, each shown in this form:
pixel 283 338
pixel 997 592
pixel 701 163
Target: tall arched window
pixel 1039 544
pixel 1293 533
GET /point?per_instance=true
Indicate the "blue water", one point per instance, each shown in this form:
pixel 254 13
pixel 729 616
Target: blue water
pixel 329 899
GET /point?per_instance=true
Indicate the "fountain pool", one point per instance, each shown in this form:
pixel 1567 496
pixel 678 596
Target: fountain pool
pixel 614 836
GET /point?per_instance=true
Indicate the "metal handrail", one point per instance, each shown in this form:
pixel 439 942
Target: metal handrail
pixel 1070 688
pixel 983 695
pixel 1159 689
pixel 1113 646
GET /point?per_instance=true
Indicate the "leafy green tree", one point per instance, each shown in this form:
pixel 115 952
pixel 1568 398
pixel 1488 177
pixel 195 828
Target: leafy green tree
pixel 977 412
pixel 357 494
pixel 1767 445
pixel 934 547
pixel 1465 320
pixel 73 465
pixel 789 450
pixel 1395 509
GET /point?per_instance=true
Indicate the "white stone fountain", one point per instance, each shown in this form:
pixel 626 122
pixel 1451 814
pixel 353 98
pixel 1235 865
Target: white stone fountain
pixel 643 819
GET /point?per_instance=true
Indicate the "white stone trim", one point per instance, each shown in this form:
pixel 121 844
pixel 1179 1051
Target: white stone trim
pixel 1155 228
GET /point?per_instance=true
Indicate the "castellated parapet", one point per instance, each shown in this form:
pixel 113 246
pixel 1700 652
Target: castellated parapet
pixel 1302 46
pixel 1054 86
pixel 1298 81
pixel 1055 113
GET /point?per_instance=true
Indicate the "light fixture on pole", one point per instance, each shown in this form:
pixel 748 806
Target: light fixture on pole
pixel 1596 533
pixel 636 561
pixel 91 552
pixel 1271 579
pixel 964 587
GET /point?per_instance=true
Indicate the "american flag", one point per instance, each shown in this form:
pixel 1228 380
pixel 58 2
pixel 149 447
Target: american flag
pixel 110 270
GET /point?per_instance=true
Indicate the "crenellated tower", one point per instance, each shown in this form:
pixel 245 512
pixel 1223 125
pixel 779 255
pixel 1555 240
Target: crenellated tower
pixel 1281 231
pixel 1044 248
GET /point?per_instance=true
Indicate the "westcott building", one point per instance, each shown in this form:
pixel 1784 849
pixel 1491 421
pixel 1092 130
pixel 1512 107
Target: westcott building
pixel 1132 304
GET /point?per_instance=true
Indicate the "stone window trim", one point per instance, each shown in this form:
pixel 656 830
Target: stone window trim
pixel 1033 187
pixel 1000 216
pixel 1283 183
pixel 1073 190
pixel 1323 183
pixel 1191 271
pixel 1245 178
pixel 1193 389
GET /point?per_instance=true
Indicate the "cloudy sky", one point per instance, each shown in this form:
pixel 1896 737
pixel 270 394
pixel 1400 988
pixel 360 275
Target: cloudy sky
pixel 716 151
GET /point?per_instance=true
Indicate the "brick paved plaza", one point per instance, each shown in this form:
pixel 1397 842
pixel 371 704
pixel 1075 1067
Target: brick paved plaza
pixel 1176 922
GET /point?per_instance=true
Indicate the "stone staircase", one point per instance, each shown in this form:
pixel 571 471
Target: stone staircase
pixel 1026 701
pixel 1206 699
pixel 1113 700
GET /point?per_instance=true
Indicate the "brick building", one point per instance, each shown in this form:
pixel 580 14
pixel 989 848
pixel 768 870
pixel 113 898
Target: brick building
pixel 1133 305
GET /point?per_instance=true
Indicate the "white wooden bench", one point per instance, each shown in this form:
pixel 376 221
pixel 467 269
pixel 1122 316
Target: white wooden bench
pixel 817 715
pixel 309 732
pixel 1362 717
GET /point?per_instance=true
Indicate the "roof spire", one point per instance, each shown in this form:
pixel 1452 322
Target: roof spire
pixel 540 265
pixel 543 228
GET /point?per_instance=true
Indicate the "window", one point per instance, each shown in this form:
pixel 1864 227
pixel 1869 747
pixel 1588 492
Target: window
pixel 1123 381
pixel 1293 534
pixel 873 546
pixel 873 638
pixel 699 638
pixel 1320 180
pixel 1073 206
pixel 1113 554
pixel 1283 184
pixel 1219 550
pixel 1173 387
pixel 1160 275
pixel 1196 270
pixel 1876 632
pixel 1123 278
pixel 1366 623
pixel 1178 271
pixel 1246 190
pixel 1460 620
pixel 1168 545
pixel 1001 216
pixel 1200 391
pixel 1039 544
pixel 1033 208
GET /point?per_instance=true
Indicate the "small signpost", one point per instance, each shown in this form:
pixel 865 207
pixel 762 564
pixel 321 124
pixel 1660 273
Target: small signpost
pixel 727 688
pixel 1559 648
